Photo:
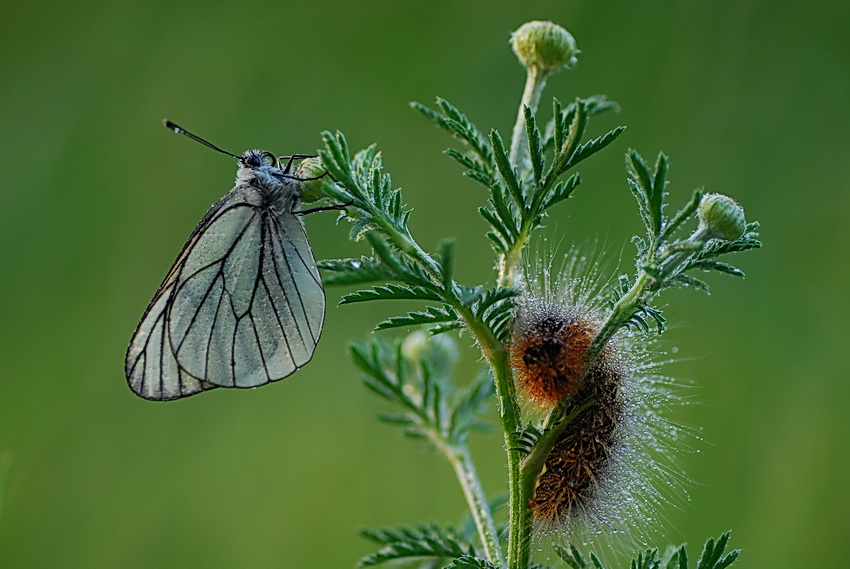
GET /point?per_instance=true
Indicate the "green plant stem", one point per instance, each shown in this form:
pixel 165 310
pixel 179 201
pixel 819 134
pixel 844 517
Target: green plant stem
pixel 458 456
pixel 408 246
pixel 644 287
pixel 519 552
pixel 619 315
pixel 556 422
pixel 535 81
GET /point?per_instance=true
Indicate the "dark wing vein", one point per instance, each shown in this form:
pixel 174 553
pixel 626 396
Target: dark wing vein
pixel 241 306
pixel 151 368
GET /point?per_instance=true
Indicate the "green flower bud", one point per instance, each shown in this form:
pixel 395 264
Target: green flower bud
pixel 721 217
pixel 314 177
pixel 544 45
pixel 439 351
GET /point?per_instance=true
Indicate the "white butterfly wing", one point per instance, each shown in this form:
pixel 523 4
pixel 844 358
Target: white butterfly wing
pixel 242 306
pixel 151 368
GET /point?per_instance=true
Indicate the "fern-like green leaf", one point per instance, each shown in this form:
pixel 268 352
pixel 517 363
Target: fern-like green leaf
pixel 431 315
pixel 693 282
pixel 713 557
pixel 353 271
pixel 711 265
pixel 506 169
pixel 470 562
pixel 646 560
pixel 681 216
pixel 593 146
pixel 446 255
pixel 423 541
pixel 471 401
pixel 535 145
pixel 562 190
pixel 390 292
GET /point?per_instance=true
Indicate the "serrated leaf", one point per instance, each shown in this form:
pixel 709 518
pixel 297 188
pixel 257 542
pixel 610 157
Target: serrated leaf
pixel 443 328
pixel 565 151
pixel 681 216
pixel 711 265
pixel 646 560
pixel 463 159
pixel 593 146
pixel 657 316
pixel 525 439
pixel 480 177
pixel 378 388
pixel 469 296
pixel 679 560
pixel 446 255
pixel 507 232
pixel 425 541
pixel 640 171
pixel 353 271
pixel 493 296
pixel 468 405
pixel 562 190
pixel 571 556
pixel 474 136
pixel 597 104
pixel 638 322
pixel 470 562
pixel 459 126
pixel 712 554
pixel 497 242
pixel 386 254
pixel 654 272
pixel 390 292
pixel 505 213
pixel 432 315
pixel 361 227
pixel 659 184
pixel 535 149
pixel 640 245
pixel 395 419
pixel 509 176
pixel 693 282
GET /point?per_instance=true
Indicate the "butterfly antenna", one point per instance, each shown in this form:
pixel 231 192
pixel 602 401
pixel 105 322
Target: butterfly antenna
pixel 180 130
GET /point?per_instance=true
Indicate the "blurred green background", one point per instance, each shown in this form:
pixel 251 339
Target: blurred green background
pixel 748 98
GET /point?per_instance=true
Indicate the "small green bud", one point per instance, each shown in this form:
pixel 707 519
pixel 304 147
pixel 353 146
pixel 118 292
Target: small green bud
pixel 415 346
pixel 439 351
pixel 314 177
pixel 544 45
pixel 721 217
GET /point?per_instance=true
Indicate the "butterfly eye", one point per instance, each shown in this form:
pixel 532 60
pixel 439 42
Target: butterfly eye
pixel 250 159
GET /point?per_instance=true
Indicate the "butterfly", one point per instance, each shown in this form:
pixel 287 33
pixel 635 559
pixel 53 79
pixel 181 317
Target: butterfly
pixel 243 305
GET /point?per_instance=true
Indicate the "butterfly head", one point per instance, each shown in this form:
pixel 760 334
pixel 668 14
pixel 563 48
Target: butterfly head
pixel 257 159
pixel 261 169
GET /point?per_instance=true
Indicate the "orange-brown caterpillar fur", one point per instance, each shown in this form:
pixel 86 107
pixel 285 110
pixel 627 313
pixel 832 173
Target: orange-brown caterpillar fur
pixel 547 352
pixel 582 456
pixel 615 463
pixel 549 356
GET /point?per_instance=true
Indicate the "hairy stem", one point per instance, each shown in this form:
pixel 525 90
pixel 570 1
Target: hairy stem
pixel 519 553
pixel 619 315
pixel 535 81
pixel 476 500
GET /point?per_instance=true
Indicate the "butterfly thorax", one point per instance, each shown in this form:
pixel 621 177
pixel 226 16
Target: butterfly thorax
pixel 259 170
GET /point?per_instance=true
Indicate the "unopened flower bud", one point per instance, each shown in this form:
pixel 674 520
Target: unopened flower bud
pixel 544 45
pixel 721 217
pixel 439 351
pixel 313 177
